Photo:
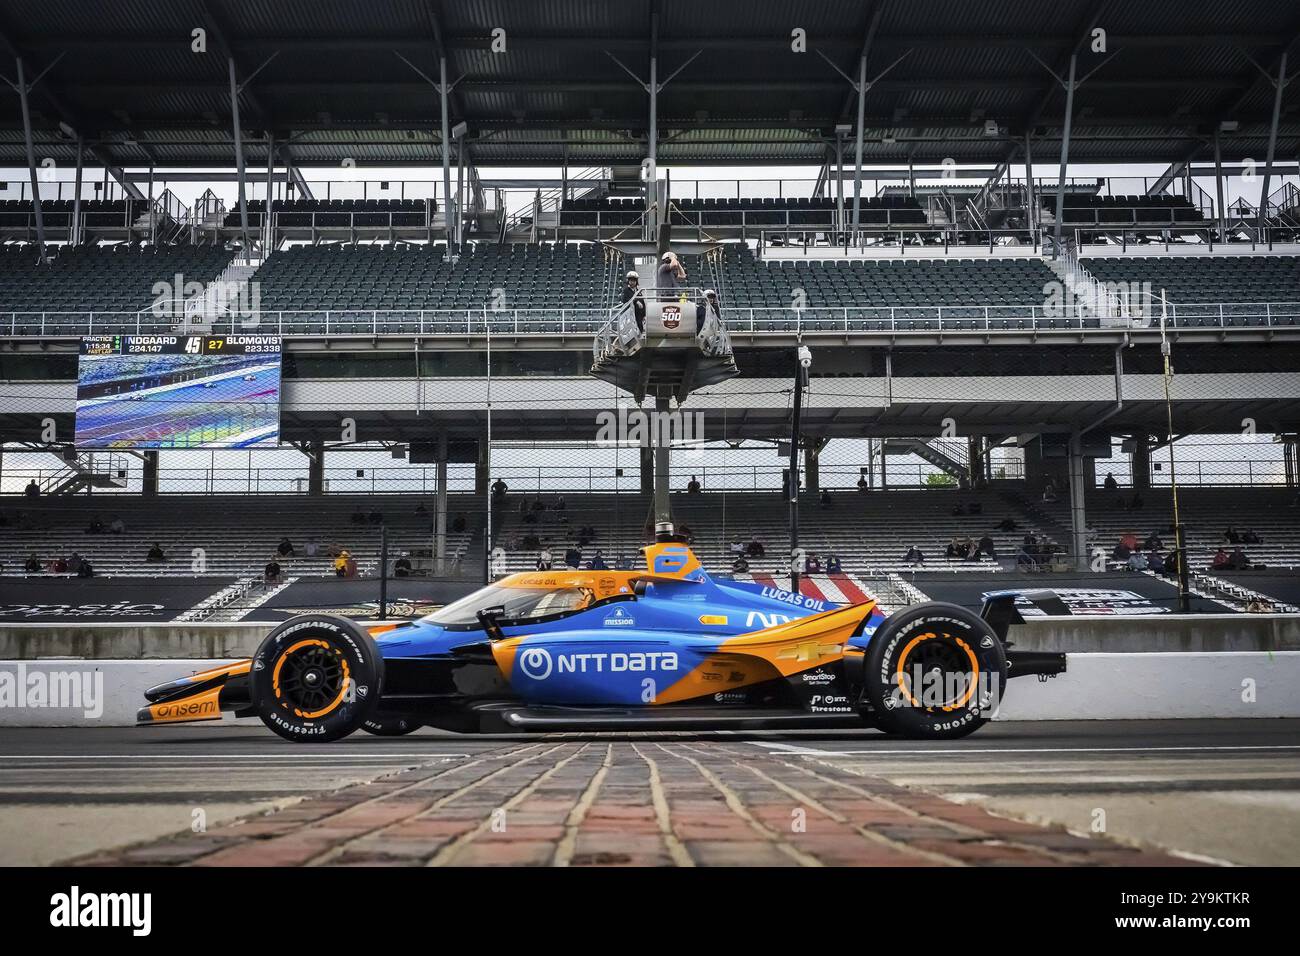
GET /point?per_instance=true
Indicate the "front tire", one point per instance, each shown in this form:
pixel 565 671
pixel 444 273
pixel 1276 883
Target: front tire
pixel 934 671
pixel 390 726
pixel 316 678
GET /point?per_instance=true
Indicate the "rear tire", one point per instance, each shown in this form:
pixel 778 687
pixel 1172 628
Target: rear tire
pixel 934 671
pixel 316 678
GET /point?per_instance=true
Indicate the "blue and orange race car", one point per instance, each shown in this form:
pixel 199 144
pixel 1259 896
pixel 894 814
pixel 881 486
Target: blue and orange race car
pixel 667 647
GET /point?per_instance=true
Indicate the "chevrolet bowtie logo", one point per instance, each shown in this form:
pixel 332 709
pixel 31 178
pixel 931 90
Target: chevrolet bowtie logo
pixel 810 651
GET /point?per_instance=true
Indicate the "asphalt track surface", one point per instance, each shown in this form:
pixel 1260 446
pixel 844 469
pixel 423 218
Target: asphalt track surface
pixel 1089 792
pixel 184 415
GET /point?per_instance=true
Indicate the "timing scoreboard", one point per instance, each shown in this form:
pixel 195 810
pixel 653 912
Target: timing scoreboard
pixel 178 391
pixel 101 345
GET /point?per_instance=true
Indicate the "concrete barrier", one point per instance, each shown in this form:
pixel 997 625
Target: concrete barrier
pixel 1130 686
pixel 1159 633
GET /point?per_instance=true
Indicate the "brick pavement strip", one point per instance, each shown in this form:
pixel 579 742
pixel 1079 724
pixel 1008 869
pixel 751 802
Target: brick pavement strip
pixel 640 801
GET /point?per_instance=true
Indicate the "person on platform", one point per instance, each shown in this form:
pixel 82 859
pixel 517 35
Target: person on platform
pixel 499 489
pixel 402 566
pixel 833 565
pixel 670 277
pixel 632 293
pixel 271 573
pixel 914 557
pixel 693 486
pixel 87 570
pixel 33 490
pixel 1110 484
pixel 544 559
pixel 285 548
pixel 156 554
pixel 33 564
pixel 341 564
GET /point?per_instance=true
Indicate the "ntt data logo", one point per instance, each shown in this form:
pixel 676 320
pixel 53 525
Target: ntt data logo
pixel 536 663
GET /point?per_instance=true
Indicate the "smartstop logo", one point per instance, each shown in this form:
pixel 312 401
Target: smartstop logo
pixel 75 909
pixel 25 687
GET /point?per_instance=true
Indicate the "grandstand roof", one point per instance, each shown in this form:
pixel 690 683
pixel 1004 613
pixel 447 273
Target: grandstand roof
pixel 326 76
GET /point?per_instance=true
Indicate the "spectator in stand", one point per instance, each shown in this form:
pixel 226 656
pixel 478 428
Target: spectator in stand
pixel 74 563
pixel 573 557
pixel 1171 563
pixel 598 562
pixel 402 566
pixel 358 517
pixel 86 570
pixel 1024 559
pixel 459 523
pixel 755 548
pixel 1122 550
pixel 622 563
pixel 1220 560
pixel 96 526
pixel 1155 562
pixel 1110 484
pixel 33 564
pixel 988 546
pixel 1250 537
pixel 632 293
pixel 341 564
pixel 1237 561
pixel 826 499
pixel 33 490
pixel 560 504
pixel 156 553
pixel 914 556
pixel 740 565
pixel 285 548
pixel 375 517
pixel 1153 543
pixel 954 549
pixel 1231 536
pixel 59 566
pixel 693 486
pixel 972 551
pixel 544 559
pixel 118 525
pixel 863 486
pixel 531 542
pixel 271 573
pixel 833 565
pixel 1049 492
pixel 499 489
pixel 812 564
pixel 1008 524
pixel 1136 562
pixel 737 547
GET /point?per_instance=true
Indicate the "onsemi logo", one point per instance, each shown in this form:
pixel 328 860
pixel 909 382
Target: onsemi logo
pixel 76 909
pixel 29 688
pixel 537 663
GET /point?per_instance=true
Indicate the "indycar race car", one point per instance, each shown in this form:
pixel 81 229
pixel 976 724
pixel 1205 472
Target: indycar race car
pixel 667 647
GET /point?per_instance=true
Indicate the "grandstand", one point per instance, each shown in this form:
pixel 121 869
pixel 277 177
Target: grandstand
pixel 957 293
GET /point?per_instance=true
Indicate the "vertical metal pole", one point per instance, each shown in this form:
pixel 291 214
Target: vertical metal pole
pixel 383 572
pixel 268 229
pixel 153 217
pixel 239 155
pixel 440 509
pixel 446 149
pixel 31 159
pixel 1030 197
pixel 654 111
pixel 1078 507
pixel 74 230
pixel 460 191
pixel 1273 137
pixel 663 504
pixel 1065 157
pixel 796 425
pixel 857 164
pixel 839 182
pixel 1218 187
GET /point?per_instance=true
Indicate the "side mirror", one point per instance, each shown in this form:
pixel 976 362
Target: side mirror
pixel 488 618
pixel 639 587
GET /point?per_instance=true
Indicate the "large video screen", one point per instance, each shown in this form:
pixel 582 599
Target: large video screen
pixel 178 391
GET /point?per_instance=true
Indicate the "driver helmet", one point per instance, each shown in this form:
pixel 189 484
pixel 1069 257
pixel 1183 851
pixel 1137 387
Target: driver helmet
pixel 633 275
pixel 709 294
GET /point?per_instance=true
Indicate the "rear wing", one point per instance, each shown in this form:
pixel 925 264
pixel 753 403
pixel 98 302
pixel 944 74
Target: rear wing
pixel 1000 612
